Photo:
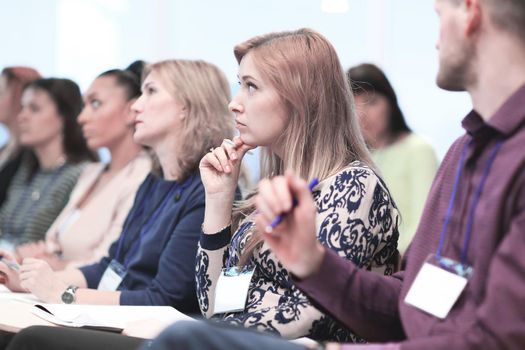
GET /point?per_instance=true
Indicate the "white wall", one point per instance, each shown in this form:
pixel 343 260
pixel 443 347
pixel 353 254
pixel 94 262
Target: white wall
pixel 81 38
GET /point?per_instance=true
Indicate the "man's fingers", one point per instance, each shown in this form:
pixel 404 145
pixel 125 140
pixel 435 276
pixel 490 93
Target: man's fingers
pixel 298 187
pixel 269 197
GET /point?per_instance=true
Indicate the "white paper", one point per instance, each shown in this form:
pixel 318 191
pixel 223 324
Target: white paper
pixel 231 292
pixel 114 316
pixel 7 295
pixel 435 290
pixel 110 280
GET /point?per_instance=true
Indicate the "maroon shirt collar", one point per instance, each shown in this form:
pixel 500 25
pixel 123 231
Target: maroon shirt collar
pixel 507 119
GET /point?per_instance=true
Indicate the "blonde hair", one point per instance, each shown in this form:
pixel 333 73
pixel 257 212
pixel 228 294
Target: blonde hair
pixel 323 134
pixel 204 90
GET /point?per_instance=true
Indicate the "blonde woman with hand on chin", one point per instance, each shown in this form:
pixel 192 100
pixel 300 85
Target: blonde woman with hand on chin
pixel 294 102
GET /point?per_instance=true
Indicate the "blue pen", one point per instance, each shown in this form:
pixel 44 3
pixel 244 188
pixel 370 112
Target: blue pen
pixel 12 265
pixel 281 217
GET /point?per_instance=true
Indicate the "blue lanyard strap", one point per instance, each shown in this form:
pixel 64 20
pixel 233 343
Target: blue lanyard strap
pixel 146 227
pixel 452 199
pixel 133 216
pixel 475 201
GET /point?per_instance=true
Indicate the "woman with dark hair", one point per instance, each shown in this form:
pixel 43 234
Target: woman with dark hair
pixel 57 152
pixel 94 216
pixel 407 162
pixel 13 80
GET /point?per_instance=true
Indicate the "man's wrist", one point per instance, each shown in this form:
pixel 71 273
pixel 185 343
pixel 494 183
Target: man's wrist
pixel 313 263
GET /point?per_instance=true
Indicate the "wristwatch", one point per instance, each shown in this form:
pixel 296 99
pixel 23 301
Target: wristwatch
pixel 68 297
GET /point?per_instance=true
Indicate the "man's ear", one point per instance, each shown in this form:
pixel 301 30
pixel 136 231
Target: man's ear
pixel 473 16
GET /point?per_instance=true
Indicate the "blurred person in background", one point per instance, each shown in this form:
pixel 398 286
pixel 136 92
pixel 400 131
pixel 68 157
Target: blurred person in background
pixel 57 154
pixel 13 80
pixel 406 161
pixel 93 218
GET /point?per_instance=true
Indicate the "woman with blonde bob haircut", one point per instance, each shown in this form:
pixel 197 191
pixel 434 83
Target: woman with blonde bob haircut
pixel 181 113
pixel 295 102
pixel 205 99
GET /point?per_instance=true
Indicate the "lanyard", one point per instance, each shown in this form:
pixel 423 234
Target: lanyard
pixel 9 226
pixel 477 195
pixel 146 225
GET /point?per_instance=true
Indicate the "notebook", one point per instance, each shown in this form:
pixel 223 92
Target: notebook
pixel 110 318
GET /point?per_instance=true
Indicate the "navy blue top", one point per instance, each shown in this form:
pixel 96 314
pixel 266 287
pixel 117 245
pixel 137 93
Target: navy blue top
pixel 161 264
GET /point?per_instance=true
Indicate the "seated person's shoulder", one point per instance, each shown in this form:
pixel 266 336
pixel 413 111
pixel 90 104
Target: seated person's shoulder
pixel 353 181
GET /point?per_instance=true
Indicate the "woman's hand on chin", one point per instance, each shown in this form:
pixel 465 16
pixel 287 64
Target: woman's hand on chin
pixel 220 167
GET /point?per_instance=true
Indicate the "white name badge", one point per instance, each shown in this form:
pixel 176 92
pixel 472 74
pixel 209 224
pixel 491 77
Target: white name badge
pixel 232 290
pixel 438 286
pixel 112 277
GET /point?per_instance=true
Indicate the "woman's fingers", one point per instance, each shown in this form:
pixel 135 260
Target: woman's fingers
pixel 28 275
pixel 210 160
pixel 4 270
pixel 222 156
pixel 6 255
pixel 241 147
pixel 32 262
pixel 237 141
pixel 229 147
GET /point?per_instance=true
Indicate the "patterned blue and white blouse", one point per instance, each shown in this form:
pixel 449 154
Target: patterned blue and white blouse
pixel 356 217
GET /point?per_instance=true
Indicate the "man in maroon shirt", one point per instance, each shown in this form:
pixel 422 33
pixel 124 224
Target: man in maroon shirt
pixel 463 279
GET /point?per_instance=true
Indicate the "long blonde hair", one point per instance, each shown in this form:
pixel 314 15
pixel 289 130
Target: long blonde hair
pixel 323 134
pixel 204 90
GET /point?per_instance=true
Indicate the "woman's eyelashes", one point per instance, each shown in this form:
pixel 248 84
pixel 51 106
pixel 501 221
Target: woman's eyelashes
pixel 149 90
pixel 249 86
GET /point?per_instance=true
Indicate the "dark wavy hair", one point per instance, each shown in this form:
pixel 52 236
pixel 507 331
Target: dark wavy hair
pixel 368 78
pixel 67 98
